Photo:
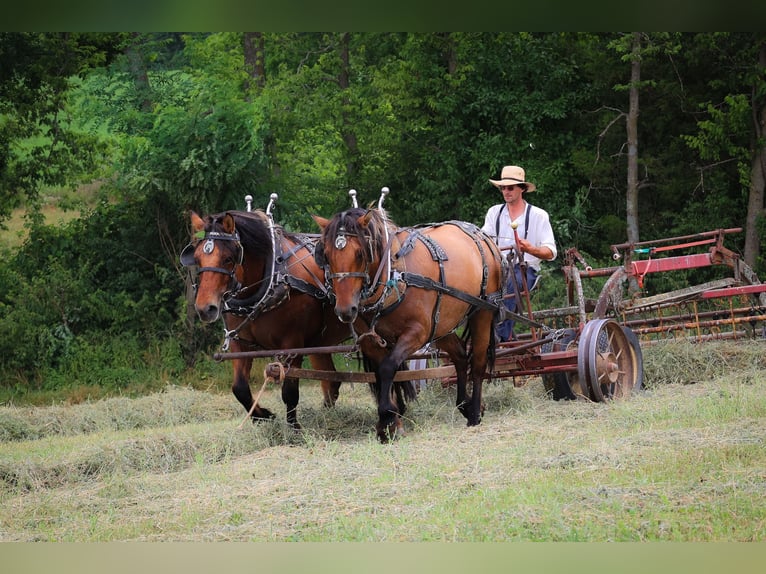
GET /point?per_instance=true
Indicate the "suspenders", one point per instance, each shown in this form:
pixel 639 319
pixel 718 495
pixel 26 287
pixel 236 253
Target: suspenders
pixel 526 222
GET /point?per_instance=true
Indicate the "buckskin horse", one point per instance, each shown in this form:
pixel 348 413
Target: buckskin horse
pixel 402 288
pixel 271 293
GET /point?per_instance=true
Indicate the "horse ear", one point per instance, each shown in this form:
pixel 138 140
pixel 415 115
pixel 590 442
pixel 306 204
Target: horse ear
pixel 228 224
pixel 321 221
pixel 197 223
pixel 364 220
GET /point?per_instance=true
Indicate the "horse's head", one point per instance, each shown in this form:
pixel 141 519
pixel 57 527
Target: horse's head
pixel 350 251
pixel 217 250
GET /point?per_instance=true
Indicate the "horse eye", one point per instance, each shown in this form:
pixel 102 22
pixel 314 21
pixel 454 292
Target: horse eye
pixel 359 256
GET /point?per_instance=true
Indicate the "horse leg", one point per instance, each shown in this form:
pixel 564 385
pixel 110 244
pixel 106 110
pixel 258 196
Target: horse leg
pixel 453 346
pixel 388 414
pixel 482 342
pixel 330 389
pixel 392 396
pixel 241 389
pixel 388 426
pixel 290 396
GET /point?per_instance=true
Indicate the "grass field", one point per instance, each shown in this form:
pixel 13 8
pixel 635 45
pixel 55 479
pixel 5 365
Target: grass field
pixel 682 461
pixel 58 207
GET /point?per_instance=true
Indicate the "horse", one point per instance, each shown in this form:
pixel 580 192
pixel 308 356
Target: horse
pixel 403 288
pixel 271 294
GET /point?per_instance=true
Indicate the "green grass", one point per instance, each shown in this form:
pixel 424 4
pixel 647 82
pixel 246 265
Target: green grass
pixel 678 462
pixel 58 207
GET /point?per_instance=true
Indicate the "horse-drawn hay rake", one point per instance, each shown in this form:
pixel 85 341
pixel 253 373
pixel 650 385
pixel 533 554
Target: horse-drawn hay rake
pixel 590 348
pixel 731 306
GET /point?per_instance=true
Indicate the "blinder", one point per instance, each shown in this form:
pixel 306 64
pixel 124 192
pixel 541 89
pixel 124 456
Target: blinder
pixel 319 256
pixel 187 255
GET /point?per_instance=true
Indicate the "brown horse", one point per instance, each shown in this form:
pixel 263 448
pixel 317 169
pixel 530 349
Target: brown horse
pixel 271 294
pixel 402 288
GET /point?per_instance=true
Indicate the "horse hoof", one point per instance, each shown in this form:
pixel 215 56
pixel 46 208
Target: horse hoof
pixel 390 433
pixel 262 415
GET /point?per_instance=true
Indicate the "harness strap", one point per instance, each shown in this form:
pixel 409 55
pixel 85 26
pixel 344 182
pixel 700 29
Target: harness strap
pixel 306 287
pixel 386 256
pixel 408 244
pixel 229 272
pixel 438 255
pixel 416 280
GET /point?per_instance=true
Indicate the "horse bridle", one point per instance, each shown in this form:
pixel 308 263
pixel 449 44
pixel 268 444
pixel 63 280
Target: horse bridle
pixel 188 257
pixel 368 285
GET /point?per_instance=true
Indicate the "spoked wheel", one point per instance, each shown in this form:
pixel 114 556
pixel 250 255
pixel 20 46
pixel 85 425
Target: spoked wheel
pixel 564 385
pixel 608 365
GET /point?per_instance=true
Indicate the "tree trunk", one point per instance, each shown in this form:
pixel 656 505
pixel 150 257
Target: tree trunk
pixel 254 50
pixel 450 53
pixel 632 129
pixel 138 71
pixel 346 128
pixel 755 204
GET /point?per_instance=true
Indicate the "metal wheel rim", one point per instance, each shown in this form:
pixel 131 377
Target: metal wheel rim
pixel 608 365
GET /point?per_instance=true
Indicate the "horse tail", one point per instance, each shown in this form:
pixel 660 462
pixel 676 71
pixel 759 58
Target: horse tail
pixel 491 350
pixel 407 389
pixel 370 366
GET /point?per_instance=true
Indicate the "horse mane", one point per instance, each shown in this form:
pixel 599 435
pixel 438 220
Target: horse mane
pixel 348 222
pixel 252 227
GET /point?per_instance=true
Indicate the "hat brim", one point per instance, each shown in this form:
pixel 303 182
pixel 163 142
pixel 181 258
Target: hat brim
pixel 497 183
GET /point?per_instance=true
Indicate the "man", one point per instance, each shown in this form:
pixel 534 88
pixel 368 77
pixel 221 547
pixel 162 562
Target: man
pixel 535 234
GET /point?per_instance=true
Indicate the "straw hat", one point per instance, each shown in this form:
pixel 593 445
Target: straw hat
pixel 513 175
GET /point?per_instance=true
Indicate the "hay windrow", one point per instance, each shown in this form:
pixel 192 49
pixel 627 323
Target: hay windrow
pixel 678 361
pixel 677 462
pixel 174 406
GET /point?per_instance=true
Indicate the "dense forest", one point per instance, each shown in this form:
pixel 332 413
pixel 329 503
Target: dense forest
pixel 628 137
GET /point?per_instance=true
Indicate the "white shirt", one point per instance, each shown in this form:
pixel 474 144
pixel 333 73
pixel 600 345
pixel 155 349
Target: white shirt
pixel 540 232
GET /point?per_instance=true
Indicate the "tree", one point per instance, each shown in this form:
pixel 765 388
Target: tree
pixel 632 133
pixel 253 47
pixel 754 221
pixel 38 144
pixel 730 139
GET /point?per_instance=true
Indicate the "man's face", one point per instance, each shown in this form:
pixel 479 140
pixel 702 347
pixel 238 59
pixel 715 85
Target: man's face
pixel 511 193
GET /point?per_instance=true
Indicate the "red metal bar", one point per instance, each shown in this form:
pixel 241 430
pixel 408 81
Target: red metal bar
pixel 714 233
pixel 722 313
pixel 683 245
pixel 734 291
pixel 600 272
pixel 671 263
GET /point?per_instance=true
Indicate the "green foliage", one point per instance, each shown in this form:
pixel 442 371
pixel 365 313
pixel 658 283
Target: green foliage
pixel 173 122
pixel 39 146
pixel 201 144
pixel 96 278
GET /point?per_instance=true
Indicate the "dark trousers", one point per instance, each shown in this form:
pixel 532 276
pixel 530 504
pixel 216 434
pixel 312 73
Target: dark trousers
pixel 505 328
